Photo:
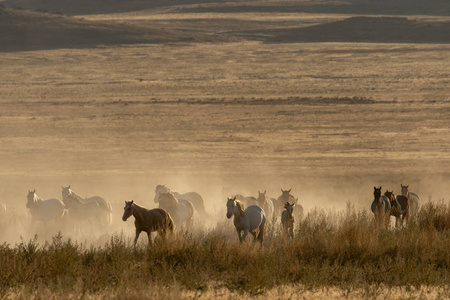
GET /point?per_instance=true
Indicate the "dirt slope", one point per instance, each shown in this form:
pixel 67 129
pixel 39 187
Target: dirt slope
pixel 28 30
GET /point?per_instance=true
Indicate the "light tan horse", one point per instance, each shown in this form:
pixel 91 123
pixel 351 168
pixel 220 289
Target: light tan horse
pixel 252 219
pixel 414 201
pixel 85 215
pixel 193 197
pixel 266 204
pixel 148 221
pixel 182 211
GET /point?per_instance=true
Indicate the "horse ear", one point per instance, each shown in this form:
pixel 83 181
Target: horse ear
pixel 34 191
pixel 407 186
pixel 264 192
pixel 69 186
pixel 290 190
pixel 380 187
pixel 131 202
pixel 234 198
pixel 282 191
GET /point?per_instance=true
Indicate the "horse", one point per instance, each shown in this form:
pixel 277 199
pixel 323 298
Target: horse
pixel 266 204
pixel 287 219
pixel 193 197
pixel 182 211
pixel 287 197
pixel 146 220
pixel 247 200
pixel 399 207
pixel 251 219
pixel 381 206
pixel 414 201
pixel 105 208
pixel 81 211
pixel 45 210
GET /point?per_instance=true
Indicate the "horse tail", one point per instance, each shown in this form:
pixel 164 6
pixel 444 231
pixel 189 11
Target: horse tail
pixel 262 227
pixel 169 222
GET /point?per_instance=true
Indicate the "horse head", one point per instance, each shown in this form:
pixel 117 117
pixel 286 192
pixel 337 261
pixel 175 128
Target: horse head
pixel 160 188
pixel 390 195
pixel 261 197
pixel 376 193
pixel 31 198
pixel 289 208
pixel 127 210
pixel 231 203
pixel 405 190
pixel 285 195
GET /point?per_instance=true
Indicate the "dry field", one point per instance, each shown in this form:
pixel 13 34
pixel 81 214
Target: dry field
pixel 329 98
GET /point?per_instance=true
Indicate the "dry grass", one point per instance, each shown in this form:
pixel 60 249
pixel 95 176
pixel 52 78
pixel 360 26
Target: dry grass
pixel 335 253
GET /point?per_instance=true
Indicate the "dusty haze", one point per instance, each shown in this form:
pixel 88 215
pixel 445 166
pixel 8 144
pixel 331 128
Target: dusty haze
pixel 220 98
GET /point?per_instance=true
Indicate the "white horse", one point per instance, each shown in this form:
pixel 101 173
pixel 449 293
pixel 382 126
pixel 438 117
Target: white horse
pixel 252 219
pixel 414 201
pixel 105 212
pixel 45 210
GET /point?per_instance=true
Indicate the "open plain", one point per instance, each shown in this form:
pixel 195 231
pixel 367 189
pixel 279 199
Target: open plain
pixel 329 98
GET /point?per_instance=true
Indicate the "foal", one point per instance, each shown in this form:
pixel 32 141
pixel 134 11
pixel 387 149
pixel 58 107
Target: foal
pixel 287 219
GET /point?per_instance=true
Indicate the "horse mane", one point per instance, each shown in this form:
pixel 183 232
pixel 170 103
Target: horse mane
pixel 241 208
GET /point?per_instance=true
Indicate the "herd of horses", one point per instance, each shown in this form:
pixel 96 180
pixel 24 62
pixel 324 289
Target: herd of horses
pixel 402 207
pixel 250 214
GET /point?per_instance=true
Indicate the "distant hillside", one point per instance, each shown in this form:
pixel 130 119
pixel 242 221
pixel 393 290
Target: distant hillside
pixel 358 7
pixel 27 30
pixel 363 29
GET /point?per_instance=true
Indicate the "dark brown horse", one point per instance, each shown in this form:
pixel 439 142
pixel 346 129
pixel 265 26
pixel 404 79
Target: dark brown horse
pixel 148 220
pixel 287 219
pixel 399 207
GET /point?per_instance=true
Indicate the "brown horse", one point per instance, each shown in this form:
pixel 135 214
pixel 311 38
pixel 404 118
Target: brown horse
pixel 399 207
pixel 148 220
pixel 287 219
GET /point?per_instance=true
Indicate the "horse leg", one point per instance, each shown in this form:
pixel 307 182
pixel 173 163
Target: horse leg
pixel 239 234
pixel 149 235
pixel 246 230
pixel 138 232
pixel 254 234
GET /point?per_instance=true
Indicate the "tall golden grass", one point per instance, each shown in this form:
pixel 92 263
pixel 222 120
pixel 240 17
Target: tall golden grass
pixel 343 250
